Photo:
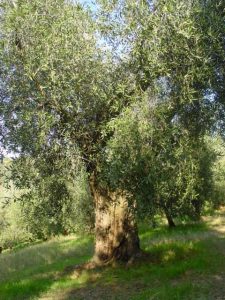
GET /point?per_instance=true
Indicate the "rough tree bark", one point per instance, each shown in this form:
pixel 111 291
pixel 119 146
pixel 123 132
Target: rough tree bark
pixel 115 228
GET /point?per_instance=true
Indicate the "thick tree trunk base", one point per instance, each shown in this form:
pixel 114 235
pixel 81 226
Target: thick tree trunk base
pixel 115 228
pixel 76 271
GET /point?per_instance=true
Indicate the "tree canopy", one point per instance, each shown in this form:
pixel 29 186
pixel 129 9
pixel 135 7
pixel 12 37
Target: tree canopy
pixel 125 97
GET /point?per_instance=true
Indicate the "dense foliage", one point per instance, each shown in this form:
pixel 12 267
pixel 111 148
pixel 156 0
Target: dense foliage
pixel 122 100
pixel 169 172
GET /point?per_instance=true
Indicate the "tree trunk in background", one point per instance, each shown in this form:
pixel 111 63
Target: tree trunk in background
pixel 115 228
pixel 169 218
pixel 197 209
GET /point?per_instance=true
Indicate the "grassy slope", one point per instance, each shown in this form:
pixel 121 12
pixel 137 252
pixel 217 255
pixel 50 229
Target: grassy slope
pixel 187 262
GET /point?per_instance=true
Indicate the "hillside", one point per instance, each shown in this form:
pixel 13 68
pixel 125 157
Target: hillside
pixel 187 262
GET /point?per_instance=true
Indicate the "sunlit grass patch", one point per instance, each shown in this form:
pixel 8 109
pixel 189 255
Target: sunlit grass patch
pixel 35 258
pixel 35 269
pixel 182 263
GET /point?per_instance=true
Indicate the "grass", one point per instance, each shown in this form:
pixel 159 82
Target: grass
pixel 187 262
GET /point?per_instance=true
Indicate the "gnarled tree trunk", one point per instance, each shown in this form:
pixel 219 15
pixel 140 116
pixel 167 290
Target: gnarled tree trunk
pixel 115 228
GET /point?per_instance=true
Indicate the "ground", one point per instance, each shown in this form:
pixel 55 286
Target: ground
pixel 187 262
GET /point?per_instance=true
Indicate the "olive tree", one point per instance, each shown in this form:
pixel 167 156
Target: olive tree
pixel 62 89
pixel 175 51
pixel 159 164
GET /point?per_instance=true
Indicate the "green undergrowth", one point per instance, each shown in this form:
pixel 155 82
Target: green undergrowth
pixel 186 262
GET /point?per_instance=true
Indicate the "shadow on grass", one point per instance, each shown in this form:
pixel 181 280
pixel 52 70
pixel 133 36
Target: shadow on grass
pixel 144 280
pixel 180 265
pixel 28 273
pixel 183 263
pixel 25 288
